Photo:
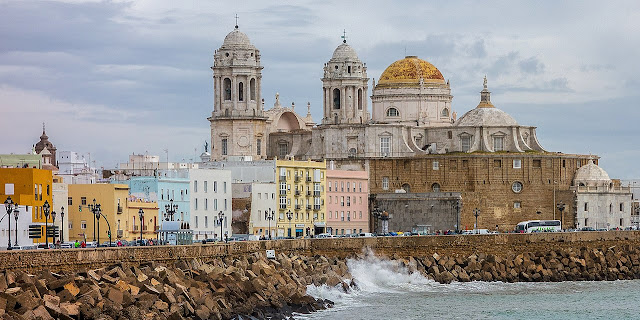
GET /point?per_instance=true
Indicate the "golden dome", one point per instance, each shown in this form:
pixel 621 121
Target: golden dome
pixel 408 72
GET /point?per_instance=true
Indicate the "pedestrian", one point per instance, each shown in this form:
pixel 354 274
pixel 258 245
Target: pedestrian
pixel 83 244
pixel 76 244
pixel 119 243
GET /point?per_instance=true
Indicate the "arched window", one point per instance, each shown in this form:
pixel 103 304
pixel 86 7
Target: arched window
pixel 252 89
pixel 406 187
pixel 393 112
pixel 445 112
pixel 336 98
pixel 240 91
pixel 360 99
pixel 435 187
pixel 227 89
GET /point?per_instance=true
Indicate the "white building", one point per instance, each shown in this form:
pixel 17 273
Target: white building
pixel 75 168
pixel 210 198
pixel 602 203
pixel 60 195
pixel 264 205
pixel 149 165
pixel 24 220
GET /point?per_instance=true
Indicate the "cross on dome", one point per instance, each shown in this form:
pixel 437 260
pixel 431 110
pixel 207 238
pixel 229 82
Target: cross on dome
pixel 344 36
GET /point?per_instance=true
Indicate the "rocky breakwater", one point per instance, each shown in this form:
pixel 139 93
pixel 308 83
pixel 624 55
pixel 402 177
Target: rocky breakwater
pixel 229 288
pixel 581 264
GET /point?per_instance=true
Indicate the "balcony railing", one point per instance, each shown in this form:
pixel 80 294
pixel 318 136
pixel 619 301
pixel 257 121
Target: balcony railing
pixel 316 193
pixel 283 206
pixel 316 207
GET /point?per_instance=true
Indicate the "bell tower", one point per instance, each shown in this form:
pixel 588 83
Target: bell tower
pixel 238 123
pixel 345 88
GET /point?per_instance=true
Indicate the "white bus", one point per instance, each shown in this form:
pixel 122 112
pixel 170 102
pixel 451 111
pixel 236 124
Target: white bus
pixel 538 226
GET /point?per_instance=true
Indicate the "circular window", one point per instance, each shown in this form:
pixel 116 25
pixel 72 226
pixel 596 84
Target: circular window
pixel 226 54
pixel 336 67
pixel 516 187
pixel 435 187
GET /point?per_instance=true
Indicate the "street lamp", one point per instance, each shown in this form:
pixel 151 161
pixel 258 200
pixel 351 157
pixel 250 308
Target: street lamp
pixel 269 215
pixel 170 210
pixel 560 207
pixel 45 208
pixel 375 212
pixel 141 215
pixel 476 213
pixel 220 220
pixel 62 224
pixel 97 210
pixel 289 216
pixel 10 206
pixel 456 206
pixel 53 222
pixel 15 214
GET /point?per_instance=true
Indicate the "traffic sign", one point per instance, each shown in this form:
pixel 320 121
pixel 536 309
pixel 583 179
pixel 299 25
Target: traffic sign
pixel 35 231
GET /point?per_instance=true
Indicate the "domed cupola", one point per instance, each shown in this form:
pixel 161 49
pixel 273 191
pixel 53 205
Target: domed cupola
pixel 485 114
pixel 591 175
pixel 236 38
pixel 345 86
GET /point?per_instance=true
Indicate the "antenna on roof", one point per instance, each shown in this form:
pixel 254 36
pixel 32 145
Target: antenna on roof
pixel 236 21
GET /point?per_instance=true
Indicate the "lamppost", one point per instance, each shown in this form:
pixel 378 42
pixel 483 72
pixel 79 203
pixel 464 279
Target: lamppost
pixel 53 222
pixel 15 214
pixel 170 210
pixel 269 215
pixel 97 210
pixel 456 206
pixel 62 224
pixel 220 220
pixel 11 206
pixel 141 215
pixel 560 207
pixel 476 213
pixel 289 216
pixel 375 212
pixel 45 208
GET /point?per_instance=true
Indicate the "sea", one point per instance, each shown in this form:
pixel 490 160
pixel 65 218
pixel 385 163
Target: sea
pixel 388 291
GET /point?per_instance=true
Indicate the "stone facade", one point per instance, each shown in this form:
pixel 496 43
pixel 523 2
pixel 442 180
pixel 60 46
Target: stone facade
pixel 506 188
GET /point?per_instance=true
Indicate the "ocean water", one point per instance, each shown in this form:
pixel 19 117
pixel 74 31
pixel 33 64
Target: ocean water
pixel 386 291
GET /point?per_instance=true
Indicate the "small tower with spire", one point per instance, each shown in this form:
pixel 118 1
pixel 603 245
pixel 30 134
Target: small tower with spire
pixel 48 151
pixel 485 96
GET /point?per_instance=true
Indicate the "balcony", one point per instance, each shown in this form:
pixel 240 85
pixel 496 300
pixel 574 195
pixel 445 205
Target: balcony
pixel 308 207
pixel 298 207
pixel 283 192
pixel 119 233
pixel 283 206
pixel 297 193
pixel 283 178
pixel 297 178
pixel 316 207
pixel 308 193
pixel 316 193
pixel 308 179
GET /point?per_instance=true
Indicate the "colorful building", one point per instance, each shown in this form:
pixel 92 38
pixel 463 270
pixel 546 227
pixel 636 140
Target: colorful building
pixel 113 204
pixel 210 202
pixel 347 202
pixel 30 188
pixel 301 198
pixel 130 229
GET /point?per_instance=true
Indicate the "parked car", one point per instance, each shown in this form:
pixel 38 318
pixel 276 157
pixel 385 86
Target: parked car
pixel 44 246
pixel 210 240
pixel 366 235
pixel 324 236
pixel 587 229
pixel 30 247
pixel 66 245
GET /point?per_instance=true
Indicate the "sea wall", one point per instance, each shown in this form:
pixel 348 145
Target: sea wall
pixel 501 245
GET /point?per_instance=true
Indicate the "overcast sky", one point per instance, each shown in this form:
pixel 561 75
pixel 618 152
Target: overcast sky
pixel 119 77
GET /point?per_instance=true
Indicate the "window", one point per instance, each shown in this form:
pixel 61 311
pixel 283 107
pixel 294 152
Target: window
pixel 196 221
pixel 252 90
pixel 586 206
pixel 517 163
pixel 227 89
pixel 516 205
pixel 205 185
pixel 348 215
pixel 336 98
pixel 258 146
pixel 195 185
pixel 224 146
pixel 348 186
pixel 206 222
pixel 436 165
pixel 498 143
pixel 83 224
pixel 215 186
pixel 385 183
pixel 444 113
pixel 329 186
pixel 70 224
pixel 283 202
pixel 282 149
pixel 359 99
pixel 341 215
pixel 69 201
pixel 621 206
pixel 466 143
pixel 83 201
pixel 348 201
pixel 537 163
pixel 359 214
pixel 224 187
pixel 360 187
pixel 342 186
pixel 215 204
pixel 393 112
pixel 385 145
pixel 516 187
pixel 497 163
pixel 240 91
pixel 336 186
pixel 195 204
pixel 225 204
pixel 206 204
pixel 435 187
pixel 342 201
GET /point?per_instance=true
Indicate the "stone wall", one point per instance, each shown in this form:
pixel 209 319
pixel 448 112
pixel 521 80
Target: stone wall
pixel 501 245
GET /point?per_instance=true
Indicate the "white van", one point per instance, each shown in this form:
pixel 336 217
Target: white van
pixel 324 236
pixel 365 235
pixel 476 231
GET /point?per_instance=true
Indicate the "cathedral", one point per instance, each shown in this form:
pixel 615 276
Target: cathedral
pixel 409 140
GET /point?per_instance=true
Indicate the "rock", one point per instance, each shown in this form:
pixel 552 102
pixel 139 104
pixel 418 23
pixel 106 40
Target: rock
pixel 115 295
pixel 70 309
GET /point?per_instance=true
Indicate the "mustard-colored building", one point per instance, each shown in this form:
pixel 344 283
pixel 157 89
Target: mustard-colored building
pixel 28 187
pixel 301 198
pixel 129 227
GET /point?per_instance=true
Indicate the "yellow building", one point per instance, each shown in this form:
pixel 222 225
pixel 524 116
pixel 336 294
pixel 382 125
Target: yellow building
pixel 301 192
pixel 130 229
pixel 27 187
pixel 82 223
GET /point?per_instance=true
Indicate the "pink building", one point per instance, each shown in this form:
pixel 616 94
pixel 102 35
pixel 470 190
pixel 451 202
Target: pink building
pixel 347 202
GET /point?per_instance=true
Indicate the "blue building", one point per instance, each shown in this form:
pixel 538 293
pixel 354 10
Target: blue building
pixel 162 188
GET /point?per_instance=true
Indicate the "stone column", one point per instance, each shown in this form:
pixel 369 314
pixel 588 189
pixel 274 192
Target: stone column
pixel 234 92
